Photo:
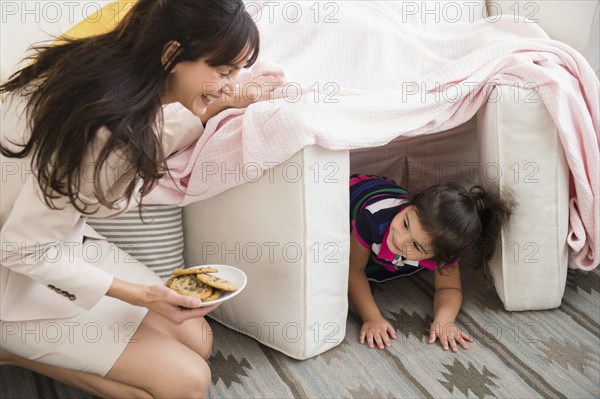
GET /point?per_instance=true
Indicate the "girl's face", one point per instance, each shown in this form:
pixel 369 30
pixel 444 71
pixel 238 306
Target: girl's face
pixel 407 238
pixel 195 84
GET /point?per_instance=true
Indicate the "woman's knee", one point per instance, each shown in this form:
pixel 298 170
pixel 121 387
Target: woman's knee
pixel 205 349
pixel 197 335
pixel 170 368
pixel 192 381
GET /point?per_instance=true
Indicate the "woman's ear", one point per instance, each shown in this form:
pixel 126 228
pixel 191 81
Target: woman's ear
pixel 169 52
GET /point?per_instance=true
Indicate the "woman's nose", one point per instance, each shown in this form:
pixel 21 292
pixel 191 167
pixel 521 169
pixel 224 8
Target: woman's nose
pixel 228 86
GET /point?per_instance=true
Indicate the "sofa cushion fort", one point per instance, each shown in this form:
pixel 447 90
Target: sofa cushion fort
pixel 520 152
pixel 289 230
pixel 289 233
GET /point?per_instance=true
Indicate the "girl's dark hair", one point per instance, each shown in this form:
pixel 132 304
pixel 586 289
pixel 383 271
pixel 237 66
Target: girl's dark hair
pixel 114 80
pixel 462 224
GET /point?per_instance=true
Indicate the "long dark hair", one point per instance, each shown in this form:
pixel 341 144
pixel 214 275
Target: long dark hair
pixel 114 80
pixel 462 223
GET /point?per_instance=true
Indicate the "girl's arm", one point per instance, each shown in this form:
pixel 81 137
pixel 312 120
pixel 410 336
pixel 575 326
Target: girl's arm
pixel 448 294
pixel 375 329
pixel 358 285
pixel 446 305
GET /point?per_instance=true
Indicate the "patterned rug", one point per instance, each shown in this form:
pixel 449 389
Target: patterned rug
pixel 539 354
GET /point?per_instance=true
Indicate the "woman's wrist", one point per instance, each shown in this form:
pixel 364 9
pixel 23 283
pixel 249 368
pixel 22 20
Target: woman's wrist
pixel 215 107
pixel 134 294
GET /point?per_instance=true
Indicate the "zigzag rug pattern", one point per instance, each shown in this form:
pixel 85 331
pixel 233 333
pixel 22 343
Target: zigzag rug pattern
pixel 538 354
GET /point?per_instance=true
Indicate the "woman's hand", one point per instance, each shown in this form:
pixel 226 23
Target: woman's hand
pixel 175 307
pixel 261 88
pixel 377 331
pixel 160 299
pixel 449 335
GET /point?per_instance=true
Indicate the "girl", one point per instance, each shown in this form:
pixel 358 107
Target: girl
pixel 395 234
pixel 97 142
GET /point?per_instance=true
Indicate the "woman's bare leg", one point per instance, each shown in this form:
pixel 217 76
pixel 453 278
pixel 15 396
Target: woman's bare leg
pixel 88 382
pixel 148 363
pixel 162 365
pixel 196 333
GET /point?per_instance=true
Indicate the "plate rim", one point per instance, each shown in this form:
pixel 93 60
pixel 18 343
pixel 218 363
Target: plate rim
pixel 230 295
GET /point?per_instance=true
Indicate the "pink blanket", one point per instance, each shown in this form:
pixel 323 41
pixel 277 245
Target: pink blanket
pixel 460 62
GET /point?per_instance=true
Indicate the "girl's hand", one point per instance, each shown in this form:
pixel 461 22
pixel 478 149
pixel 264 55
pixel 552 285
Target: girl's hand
pixel 175 307
pixel 378 330
pixel 448 334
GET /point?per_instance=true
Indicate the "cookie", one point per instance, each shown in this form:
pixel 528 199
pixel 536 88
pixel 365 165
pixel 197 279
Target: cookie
pixel 216 282
pixel 215 295
pixel 194 270
pixel 188 285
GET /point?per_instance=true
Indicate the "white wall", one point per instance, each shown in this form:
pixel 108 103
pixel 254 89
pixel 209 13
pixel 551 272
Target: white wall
pixel 574 22
pixel 23 23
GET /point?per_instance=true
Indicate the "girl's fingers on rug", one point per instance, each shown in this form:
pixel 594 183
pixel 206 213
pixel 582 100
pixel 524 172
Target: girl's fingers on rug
pixel 452 343
pixel 432 336
pixel 391 331
pixel 466 336
pixel 367 338
pixel 380 341
pixel 460 339
pixel 444 341
pixel 386 340
pixel 371 340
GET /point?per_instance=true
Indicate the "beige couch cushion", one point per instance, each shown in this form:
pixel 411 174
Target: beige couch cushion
pixel 520 152
pixel 574 22
pixel 289 232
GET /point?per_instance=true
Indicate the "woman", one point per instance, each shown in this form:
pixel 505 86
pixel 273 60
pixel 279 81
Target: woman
pixel 98 144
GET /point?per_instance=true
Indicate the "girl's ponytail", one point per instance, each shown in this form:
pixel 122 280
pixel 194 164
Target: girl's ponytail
pixel 493 212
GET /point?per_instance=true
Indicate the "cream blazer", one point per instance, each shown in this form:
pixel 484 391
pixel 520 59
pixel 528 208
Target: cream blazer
pixel 44 274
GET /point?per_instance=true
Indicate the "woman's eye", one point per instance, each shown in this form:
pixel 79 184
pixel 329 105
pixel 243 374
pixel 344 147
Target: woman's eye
pixel 405 224
pixel 225 75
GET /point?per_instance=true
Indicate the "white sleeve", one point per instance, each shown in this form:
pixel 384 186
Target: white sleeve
pixel 180 128
pixel 45 244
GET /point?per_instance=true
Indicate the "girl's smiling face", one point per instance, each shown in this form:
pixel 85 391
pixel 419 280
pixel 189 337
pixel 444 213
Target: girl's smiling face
pixel 407 238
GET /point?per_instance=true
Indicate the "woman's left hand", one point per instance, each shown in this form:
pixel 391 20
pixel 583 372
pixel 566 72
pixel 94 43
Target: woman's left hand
pixel 449 335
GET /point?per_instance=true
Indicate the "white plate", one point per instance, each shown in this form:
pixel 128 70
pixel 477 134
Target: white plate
pixel 233 274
